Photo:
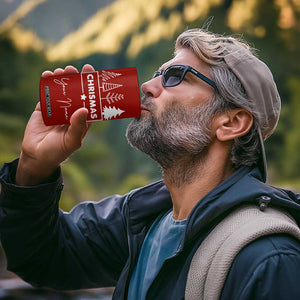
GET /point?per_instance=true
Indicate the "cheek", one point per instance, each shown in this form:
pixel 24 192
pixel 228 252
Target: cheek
pixel 189 98
pixel 158 109
pixel 162 102
pixel 193 99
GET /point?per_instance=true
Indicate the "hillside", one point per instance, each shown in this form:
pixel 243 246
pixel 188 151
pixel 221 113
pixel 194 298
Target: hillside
pixel 74 29
pixel 8 7
pixel 36 24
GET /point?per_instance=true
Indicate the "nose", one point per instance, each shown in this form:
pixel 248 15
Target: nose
pixel 152 88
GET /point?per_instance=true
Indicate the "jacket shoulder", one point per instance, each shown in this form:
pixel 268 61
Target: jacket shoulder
pixel 267 268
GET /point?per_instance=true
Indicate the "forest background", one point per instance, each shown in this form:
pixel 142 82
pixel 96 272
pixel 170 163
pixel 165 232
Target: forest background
pixel 45 34
pixel 38 35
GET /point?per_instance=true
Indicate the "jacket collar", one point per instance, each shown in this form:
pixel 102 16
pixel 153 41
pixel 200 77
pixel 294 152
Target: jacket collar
pixel 243 186
pixel 146 204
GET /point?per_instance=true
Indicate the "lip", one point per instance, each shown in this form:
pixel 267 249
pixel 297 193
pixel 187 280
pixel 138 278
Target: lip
pixel 143 107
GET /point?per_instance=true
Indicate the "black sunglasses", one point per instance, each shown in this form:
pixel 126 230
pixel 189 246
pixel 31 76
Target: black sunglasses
pixel 174 75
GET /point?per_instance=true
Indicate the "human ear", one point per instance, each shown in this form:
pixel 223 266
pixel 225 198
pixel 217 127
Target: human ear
pixel 233 124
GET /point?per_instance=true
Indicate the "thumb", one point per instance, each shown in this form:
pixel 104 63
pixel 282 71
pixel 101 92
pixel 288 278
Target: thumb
pixel 77 129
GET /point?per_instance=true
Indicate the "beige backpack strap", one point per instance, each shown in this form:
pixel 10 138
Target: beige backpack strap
pixel 212 260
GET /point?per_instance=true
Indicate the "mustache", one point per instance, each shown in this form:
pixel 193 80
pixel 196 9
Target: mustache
pixel 146 101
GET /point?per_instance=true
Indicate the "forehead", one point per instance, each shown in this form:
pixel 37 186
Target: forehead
pixel 186 56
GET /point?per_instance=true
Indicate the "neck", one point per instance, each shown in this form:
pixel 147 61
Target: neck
pixel 190 180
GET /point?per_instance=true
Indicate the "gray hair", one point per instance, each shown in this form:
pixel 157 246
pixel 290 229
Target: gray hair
pixel 212 48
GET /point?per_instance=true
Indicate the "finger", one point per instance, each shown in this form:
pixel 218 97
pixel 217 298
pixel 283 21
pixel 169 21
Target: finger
pixel 77 129
pixel 89 124
pixel 58 71
pixel 70 70
pixel 47 74
pixel 38 106
pixel 87 68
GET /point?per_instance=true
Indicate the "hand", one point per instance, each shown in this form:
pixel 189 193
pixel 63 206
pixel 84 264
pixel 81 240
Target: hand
pixel 44 148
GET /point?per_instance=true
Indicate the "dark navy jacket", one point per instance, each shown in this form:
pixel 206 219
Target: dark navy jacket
pixel 98 244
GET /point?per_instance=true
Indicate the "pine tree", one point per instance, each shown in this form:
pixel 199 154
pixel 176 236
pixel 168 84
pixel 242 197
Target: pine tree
pixel 111 112
pixel 112 97
pixel 109 75
pixel 110 86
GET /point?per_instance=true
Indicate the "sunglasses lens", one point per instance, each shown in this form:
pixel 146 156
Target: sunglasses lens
pixel 173 75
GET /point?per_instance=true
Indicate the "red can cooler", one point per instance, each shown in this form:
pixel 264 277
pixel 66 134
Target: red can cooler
pixel 107 94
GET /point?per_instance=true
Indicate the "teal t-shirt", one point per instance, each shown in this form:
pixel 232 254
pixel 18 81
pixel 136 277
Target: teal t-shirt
pixel 161 242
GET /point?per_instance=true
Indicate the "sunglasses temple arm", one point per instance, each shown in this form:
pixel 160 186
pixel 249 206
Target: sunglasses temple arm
pixel 204 78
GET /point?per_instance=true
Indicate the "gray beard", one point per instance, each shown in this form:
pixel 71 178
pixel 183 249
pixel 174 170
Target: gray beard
pixel 177 139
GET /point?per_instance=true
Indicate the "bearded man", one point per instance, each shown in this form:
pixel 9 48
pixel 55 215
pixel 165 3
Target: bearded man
pixel 205 116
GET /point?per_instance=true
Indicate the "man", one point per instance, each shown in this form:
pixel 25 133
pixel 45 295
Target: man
pixel 205 114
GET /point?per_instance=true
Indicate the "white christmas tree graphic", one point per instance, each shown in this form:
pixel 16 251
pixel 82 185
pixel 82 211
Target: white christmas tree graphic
pixel 112 97
pixel 106 75
pixel 111 112
pixel 110 86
